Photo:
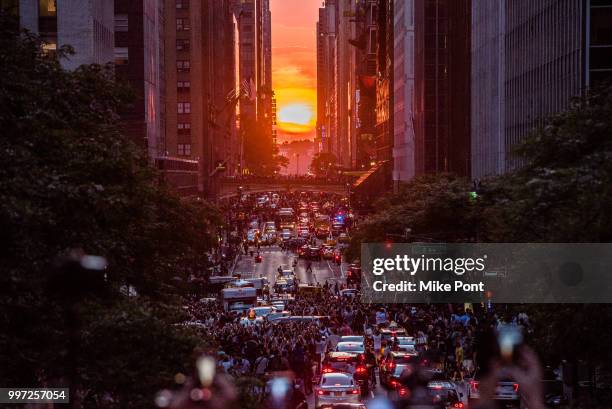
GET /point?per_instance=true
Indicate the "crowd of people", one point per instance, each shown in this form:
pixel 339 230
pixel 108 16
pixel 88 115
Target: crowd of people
pixel 448 336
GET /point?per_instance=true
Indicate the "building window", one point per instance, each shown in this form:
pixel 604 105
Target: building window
pixel 182 4
pixel 183 85
pixel 47 8
pixel 183 66
pixel 184 149
pixel 184 107
pixel 183 125
pixel 182 45
pixel 121 22
pixel 121 55
pixel 182 24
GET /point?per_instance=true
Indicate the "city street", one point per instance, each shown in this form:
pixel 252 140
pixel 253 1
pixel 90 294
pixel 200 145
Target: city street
pixel 273 257
pixel 306 204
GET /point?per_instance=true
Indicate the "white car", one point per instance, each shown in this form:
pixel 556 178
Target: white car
pixel 336 387
pixel 353 347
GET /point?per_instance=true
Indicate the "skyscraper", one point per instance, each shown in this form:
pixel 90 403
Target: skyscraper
pixel 86 25
pixel 345 80
pixel 139 28
pixel 529 60
pixel 200 74
pixel 441 74
pixel 403 92
pixel 326 86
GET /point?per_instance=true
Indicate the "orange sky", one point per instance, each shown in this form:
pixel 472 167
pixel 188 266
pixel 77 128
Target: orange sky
pixel 294 66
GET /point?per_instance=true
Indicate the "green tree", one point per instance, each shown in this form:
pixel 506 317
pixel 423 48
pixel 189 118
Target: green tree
pixel 71 180
pixel 322 162
pixel 563 193
pixel 261 156
pixel 433 207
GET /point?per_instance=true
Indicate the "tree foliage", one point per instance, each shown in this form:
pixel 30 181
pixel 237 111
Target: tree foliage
pixel 261 156
pixel 434 208
pixel 562 193
pixel 71 180
pixel 322 162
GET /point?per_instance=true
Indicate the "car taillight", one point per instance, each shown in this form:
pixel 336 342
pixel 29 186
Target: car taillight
pixel 327 370
pixel 403 392
pixel 458 405
pixel 320 392
pixel 355 391
pixel 515 386
pixel 394 383
pixel 474 385
pixel 390 366
pixel 360 369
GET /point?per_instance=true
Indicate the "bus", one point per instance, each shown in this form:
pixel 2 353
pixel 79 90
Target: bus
pixel 238 298
pixel 286 219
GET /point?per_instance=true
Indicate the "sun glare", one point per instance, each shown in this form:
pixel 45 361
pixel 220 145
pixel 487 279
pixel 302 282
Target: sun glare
pixel 300 114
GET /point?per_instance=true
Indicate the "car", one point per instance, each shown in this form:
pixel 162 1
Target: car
pixel 390 362
pixel 387 334
pixel 304 234
pixel 252 235
pixel 339 362
pixel 353 274
pixel 393 379
pixel 353 347
pixel 328 252
pixel 270 226
pixel 313 253
pixel 336 387
pixel 285 270
pixel 344 238
pixel 444 393
pixel 277 315
pixel 507 390
pixel 286 234
pixel 349 293
pixel 344 406
pixel 352 338
pixel 282 285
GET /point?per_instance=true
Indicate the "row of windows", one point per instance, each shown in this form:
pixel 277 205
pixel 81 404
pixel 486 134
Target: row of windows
pixel 183 65
pixel 183 125
pixel 182 4
pixel 182 45
pixel 184 149
pixel 183 85
pixel 182 24
pixel 183 108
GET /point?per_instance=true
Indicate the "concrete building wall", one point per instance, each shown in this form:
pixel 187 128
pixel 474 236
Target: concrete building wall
pixel 403 92
pixel 544 62
pixel 88 26
pixel 28 15
pixel 487 101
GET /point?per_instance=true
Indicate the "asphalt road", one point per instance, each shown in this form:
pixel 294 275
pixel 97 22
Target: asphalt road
pixel 273 256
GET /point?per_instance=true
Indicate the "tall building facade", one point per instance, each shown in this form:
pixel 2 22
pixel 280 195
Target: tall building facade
pixel 139 30
pixel 200 75
pixel 366 44
pixel 442 83
pixel 86 25
pixel 385 80
pixel 403 92
pixel 534 57
pixel 343 145
pixel 326 85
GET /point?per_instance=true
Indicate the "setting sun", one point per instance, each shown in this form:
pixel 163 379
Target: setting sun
pixel 294 67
